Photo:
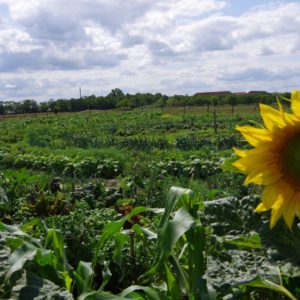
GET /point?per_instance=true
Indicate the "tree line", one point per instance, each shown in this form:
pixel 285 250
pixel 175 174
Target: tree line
pixel 118 99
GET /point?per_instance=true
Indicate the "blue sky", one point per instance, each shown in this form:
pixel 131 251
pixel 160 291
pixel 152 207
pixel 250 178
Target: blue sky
pixel 238 7
pixel 48 48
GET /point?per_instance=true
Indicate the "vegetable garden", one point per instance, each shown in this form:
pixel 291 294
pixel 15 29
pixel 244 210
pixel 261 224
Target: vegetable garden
pixel 136 205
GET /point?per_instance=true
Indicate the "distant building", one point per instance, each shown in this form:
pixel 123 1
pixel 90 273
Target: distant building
pixel 240 93
pixel 218 93
pixel 256 92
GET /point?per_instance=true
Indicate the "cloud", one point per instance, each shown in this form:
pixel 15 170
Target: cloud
pixel 145 45
pixel 58 60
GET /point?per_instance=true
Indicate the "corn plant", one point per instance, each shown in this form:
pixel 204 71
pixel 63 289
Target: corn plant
pixel 178 267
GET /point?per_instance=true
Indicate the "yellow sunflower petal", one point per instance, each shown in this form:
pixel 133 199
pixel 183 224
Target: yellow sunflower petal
pixel 271 117
pixel 289 205
pixel 296 102
pixel 277 210
pixel 262 176
pixel 261 208
pixel 289 119
pixel 270 163
pixel 260 165
pixel 253 135
pixel 254 177
pixel 240 152
pixel 270 195
pixel 289 213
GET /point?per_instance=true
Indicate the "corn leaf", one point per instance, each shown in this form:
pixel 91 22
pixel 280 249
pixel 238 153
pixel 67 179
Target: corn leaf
pixel 173 287
pixel 83 277
pixel 267 284
pixel 172 232
pixel 151 293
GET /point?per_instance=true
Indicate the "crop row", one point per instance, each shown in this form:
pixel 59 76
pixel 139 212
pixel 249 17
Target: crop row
pixel 191 142
pixel 74 167
pixel 196 167
pixel 106 168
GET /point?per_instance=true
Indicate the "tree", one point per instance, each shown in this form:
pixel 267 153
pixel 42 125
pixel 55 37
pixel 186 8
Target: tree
pixel 116 94
pixel 207 101
pixel 2 109
pixel 232 100
pixel 162 102
pixel 30 106
pixel 44 107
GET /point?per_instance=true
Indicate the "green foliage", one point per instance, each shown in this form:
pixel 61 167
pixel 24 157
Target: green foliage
pixel 96 233
pixel 32 270
pixel 190 259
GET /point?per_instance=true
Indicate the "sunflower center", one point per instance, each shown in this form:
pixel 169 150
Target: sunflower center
pixel 291 158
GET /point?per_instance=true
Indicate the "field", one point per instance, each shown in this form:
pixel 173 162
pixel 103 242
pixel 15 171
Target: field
pixel 139 204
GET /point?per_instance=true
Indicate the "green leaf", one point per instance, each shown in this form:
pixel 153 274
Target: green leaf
pixel 99 295
pixel 31 286
pixel 173 287
pixel 120 240
pixel 174 195
pixel 150 292
pixel 83 277
pixel 150 235
pixel 181 274
pixel 172 231
pixel 14 230
pixel 196 239
pixel 111 229
pixel 106 275
pixel 267 284
pixel 243 241
pixel 13 242
pixel 55 241
pixel 31 224
pixel 25 253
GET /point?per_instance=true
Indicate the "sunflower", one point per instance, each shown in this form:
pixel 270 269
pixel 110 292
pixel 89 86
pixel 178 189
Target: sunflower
pixel 274 162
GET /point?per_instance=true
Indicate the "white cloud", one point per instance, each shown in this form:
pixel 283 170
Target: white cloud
pixel 169 46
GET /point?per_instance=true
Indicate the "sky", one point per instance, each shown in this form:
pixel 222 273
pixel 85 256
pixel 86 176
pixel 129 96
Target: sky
pixel 50 48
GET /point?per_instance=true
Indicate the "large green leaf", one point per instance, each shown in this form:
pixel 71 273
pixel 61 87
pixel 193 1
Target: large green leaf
pixel 15 231
pixel 174 195
pixel 172 231
pixel 84 277
pixel 55 241
pixel 24 253
pixel 236 222
pixel 196 241
pixel 30 286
